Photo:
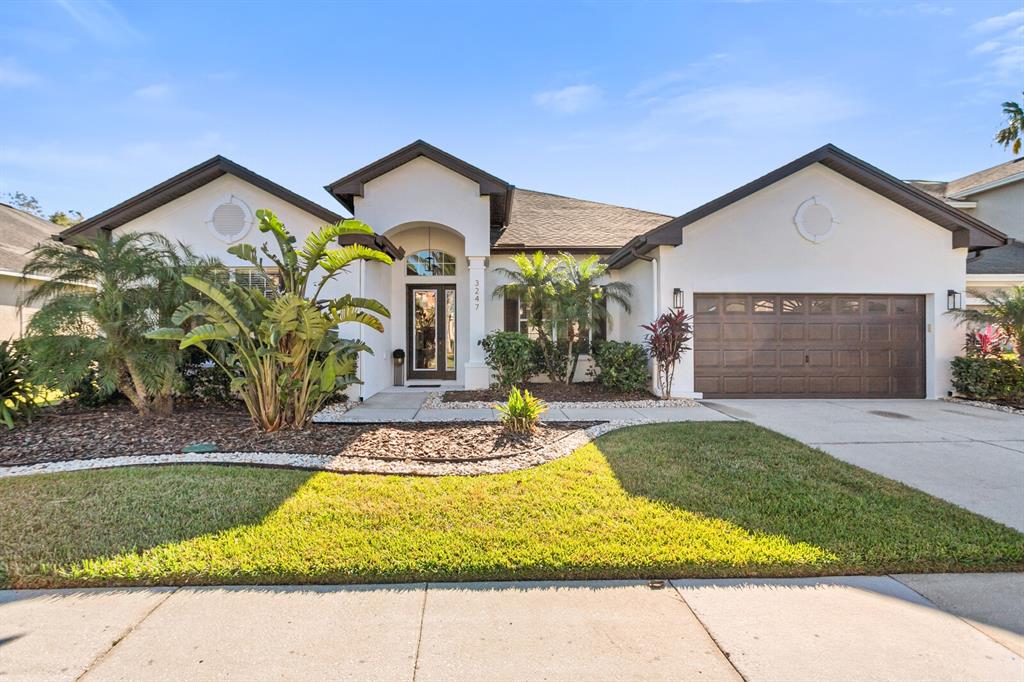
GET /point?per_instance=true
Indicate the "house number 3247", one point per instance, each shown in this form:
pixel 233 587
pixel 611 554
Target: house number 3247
pixel 476 294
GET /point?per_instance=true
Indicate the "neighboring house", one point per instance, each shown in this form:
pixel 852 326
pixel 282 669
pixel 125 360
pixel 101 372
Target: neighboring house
pixel 824 278
pixel 996 196
pixel 19 234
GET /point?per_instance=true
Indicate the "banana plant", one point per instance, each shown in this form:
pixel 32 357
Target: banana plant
pixel 283 353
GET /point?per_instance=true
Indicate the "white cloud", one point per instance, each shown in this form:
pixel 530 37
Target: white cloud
pixel 1005 52
pixel 1000 22
pixel 101 21
pixel 155 91
pixel 689 72
pixel 12 75
pixel 987 46
pixel 569 100
pixel 780 106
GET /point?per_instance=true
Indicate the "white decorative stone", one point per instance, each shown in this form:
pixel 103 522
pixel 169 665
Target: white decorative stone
pixel 342 464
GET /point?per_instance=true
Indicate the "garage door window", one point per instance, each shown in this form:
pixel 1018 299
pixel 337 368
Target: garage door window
pixel 849 306
pixel 821 306
pixel 764 305
pixel 736 305
pixel 877 306
pixel 706 304
pixel 792 306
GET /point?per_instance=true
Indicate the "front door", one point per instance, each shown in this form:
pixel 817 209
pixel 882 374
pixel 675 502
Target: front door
pixel 430 313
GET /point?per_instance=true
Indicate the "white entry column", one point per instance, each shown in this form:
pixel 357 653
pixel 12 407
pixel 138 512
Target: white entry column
pixel 476 373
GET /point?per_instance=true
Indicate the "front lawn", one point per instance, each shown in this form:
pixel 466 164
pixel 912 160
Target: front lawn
pixel 687 499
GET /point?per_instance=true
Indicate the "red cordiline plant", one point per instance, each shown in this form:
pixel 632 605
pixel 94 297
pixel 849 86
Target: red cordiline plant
pixel 666 341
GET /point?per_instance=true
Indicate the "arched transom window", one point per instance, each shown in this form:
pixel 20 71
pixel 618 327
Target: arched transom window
pixel 430 263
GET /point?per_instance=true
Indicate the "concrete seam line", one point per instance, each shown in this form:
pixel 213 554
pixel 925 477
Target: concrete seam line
pixel 717 644
pixel 419 634
pixel 966 621
pixel 129 630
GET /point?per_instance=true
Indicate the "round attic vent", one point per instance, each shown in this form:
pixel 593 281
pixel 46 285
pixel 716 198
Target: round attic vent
pixel 230 219
pixel 815 220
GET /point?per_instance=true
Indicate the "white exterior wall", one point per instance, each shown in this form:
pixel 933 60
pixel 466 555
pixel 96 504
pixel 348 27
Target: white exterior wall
pixel 1002 208
pixel 878 247
pixel 14 320
pixel 184 220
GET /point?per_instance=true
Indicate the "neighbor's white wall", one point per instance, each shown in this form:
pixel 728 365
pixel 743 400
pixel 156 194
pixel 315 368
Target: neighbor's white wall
pixel 13 321
pixel 1002 208
pixel 879 247
pixel 422 191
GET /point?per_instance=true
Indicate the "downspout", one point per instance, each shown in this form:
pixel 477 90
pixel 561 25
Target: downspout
pixel 655 284
pixel 360 366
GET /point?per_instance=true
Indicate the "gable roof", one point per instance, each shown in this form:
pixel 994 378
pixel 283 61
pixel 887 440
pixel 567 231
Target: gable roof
pixel 347 188
pixel 551 222
pixel 183 183
pixel 20 232
pixel 967 230
pixel 1004 173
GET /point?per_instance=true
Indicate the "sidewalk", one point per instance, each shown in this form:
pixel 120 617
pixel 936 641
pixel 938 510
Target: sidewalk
pixel 407 406
pixel 942 627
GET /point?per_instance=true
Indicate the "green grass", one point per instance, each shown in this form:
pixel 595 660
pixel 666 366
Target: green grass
pixel 725 499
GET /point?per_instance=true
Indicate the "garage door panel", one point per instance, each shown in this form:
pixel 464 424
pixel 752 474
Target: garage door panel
pixel 707 332
pixel 792 345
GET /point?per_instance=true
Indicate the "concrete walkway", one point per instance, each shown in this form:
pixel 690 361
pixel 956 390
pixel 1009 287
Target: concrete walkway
pixel 944 627
pixel 406 405
pixel 970 456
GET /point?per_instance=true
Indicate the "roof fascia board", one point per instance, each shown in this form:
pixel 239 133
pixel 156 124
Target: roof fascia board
pixel 834 158
pixel 200 174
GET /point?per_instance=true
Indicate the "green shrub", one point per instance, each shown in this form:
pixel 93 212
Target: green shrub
pixel 989 378
pixel 17 396
pixel 621 365
pixel 522 412
pixel 206 382
pixel 511 356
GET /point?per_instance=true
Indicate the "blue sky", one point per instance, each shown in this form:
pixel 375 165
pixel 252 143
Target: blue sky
pixel 658 106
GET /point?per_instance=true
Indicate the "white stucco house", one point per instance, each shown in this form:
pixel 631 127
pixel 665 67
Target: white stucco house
pixel 824 278
pixel 20 232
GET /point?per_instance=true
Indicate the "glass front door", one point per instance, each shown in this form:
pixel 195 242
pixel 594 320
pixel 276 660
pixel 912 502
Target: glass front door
pixel 431 339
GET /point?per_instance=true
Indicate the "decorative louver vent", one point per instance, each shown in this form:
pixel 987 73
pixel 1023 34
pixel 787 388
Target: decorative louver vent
pixel 230 220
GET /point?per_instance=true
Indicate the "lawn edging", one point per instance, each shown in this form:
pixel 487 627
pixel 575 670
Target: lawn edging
pixel 344 465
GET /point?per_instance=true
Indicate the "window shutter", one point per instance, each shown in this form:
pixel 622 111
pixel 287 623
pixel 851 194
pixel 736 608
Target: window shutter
pixel 511 313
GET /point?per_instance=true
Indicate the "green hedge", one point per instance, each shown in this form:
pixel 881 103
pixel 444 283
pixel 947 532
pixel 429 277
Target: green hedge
pixel 511 356
pixel 622 365
pixel 989 378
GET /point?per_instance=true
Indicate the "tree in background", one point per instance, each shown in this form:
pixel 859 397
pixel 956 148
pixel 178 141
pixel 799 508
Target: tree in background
pixel 1009 135
pixel 29 204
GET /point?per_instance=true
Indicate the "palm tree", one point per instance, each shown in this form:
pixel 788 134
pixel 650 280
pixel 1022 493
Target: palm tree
pixel 100 297
pixel 1009 136
pixel 1003 309
pixel 582 301
pixel 533 283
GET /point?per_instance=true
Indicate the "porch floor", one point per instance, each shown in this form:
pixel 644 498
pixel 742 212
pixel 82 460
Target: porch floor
pixel 406 405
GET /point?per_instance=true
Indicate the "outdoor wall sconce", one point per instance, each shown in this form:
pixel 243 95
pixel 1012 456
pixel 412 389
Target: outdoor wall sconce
pixel 954 300
pixel 677 298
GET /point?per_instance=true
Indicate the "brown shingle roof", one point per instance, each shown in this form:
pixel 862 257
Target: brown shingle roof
pixel 548 220
pixel 19 234
pixel 964 185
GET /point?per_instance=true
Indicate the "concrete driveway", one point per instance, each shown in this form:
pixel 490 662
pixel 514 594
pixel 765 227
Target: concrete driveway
pixel 971 456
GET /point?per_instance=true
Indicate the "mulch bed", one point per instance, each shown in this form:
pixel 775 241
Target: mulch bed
pixel 59 434
pixel 585 392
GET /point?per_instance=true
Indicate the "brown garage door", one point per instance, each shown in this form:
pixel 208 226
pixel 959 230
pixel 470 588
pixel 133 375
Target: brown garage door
pixel 809 345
